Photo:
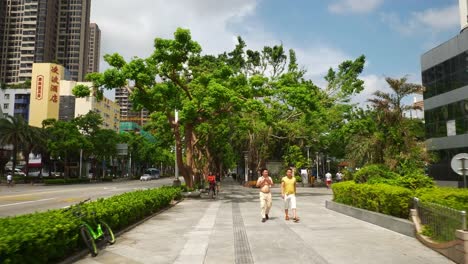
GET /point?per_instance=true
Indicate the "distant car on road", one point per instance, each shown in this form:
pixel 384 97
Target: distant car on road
pixel 17 171
pixel 150 174
pixel 35 173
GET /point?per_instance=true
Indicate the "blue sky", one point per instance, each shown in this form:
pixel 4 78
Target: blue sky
pixel 391 33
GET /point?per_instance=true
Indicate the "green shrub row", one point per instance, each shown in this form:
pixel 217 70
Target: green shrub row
pixel 376 173
pixel 53 235
pixel 382 198
pixel 451 197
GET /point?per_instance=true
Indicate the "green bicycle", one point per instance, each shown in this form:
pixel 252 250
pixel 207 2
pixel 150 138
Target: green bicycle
pixel 92 232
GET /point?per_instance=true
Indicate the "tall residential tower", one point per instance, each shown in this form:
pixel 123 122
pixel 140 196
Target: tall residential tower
pixel 94 48
pixel 43 31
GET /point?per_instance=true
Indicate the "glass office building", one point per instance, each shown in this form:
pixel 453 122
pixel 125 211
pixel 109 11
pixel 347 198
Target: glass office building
pixel 445 76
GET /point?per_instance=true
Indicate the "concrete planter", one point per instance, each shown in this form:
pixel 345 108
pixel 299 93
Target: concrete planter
pixel 396 224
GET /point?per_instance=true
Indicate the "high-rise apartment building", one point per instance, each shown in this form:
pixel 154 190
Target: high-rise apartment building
pixel 28 34
pixel 73 34
pixel 43 31
pixel 127 114
pixel 94 48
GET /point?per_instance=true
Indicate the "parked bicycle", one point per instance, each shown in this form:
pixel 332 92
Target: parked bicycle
pixel 94 231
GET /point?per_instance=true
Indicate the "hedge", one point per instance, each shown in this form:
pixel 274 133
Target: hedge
pixel 382 198
pixel 451 197
pixel 53 235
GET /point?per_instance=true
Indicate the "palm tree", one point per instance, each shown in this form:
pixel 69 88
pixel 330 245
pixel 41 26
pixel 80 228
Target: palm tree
pixel 13 131
pixel 394 129
pixel 33 143
pixel 390 103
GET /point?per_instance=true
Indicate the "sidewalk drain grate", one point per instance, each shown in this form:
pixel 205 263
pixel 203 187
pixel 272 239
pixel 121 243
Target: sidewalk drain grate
pixel 241 242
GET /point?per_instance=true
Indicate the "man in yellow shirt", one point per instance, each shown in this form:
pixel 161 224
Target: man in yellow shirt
pixel 288 193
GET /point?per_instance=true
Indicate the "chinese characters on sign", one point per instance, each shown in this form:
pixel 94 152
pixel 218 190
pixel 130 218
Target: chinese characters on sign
pixel 39 87
pixel 54 83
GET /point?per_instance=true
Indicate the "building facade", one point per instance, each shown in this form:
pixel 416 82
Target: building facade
pixel 73 35
pixel 15 102
pixel 94 48
pixel 28 33
pixel 127 114
pixel 45 92
pixel 445 77
pixel 42 31
pixel 72 107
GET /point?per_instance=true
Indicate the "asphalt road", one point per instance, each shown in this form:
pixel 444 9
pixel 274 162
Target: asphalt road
pixel 26 198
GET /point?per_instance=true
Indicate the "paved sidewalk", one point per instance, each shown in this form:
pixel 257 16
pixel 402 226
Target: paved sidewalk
pixel 229 230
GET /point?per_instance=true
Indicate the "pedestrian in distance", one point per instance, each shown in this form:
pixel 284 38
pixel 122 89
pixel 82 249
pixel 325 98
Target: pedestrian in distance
pixel 328 178
pixel 288 193
pixel 339 176
pixel 265 182
pixel 9 180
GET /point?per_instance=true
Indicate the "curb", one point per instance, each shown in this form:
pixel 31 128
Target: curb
pixel 399 225
pixel 83 253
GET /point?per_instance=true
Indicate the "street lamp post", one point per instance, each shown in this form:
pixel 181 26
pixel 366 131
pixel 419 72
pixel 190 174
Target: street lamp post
pixel 246 173
pixel 317 163
pixel 176 168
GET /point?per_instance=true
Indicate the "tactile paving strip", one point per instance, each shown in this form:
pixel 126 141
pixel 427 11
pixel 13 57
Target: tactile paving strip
pixel 241 242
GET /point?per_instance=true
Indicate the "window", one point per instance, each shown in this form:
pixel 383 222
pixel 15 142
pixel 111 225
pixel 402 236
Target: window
pixel 7 96
pixel 5 106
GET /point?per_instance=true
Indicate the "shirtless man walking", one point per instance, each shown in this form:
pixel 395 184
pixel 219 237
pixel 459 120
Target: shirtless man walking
pixel 265 182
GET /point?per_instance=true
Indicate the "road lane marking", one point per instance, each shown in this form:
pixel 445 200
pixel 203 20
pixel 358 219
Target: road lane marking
pixel 5 205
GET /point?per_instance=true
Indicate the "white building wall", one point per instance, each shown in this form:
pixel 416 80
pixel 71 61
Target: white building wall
pixel 7 100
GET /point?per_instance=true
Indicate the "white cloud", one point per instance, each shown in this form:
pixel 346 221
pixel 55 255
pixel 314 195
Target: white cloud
pixel 430 20
pixel 372 84
pixel 354 6
pixel 130 28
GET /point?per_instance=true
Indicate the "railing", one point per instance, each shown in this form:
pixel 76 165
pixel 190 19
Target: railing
pixel 440 222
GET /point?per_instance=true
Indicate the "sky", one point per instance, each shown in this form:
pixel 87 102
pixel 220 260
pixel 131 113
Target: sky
pixel 392 34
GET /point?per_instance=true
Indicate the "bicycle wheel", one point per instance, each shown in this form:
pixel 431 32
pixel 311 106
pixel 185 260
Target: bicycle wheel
pixel 107 233
pixel 211 193
pixel 89 241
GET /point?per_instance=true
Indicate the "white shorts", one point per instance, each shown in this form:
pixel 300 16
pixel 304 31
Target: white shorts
pixel 290 201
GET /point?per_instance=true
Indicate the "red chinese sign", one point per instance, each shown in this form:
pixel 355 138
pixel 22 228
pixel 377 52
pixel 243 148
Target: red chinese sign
pixel 55 81
pixel 54 98
pixel 39 87
pixel 54 70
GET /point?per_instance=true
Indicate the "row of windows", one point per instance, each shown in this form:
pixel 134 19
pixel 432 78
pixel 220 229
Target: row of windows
pixel 447 112
pixel 446 76
pixel 439 129
pixel 436 119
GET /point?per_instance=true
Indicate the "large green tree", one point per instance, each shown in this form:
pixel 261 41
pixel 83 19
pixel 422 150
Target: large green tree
pixel 383 134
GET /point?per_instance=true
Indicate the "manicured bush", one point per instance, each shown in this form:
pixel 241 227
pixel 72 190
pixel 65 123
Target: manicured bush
pixel 382 198
pixel 373 172
pixel 411 181
pixel 298 178
pixel 415 180
pixel 53 235
pixel 451 197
